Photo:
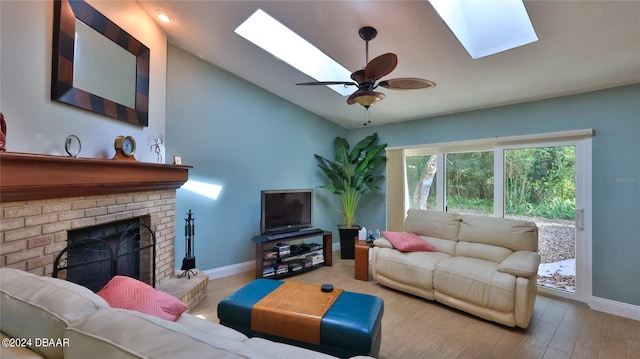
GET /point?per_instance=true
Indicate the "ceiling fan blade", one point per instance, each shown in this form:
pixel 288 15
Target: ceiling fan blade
pixel 380 66
pixel 407 83
pixel 358 76
pixel 325 83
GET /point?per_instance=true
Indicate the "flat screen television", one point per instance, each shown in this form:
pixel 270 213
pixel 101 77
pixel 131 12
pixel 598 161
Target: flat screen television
pixel 285 210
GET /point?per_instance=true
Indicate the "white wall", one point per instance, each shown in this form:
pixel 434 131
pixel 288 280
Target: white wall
pixel 35 123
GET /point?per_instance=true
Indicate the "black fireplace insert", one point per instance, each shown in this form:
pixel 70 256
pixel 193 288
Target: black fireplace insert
pixel 93 261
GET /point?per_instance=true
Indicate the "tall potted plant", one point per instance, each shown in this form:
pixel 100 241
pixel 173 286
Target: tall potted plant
pixel 352 174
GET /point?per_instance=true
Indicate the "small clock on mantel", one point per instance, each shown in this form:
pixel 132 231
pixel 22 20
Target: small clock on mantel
pixel 125 147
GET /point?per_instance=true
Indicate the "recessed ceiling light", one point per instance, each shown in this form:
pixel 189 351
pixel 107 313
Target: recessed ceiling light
pixel 272 36
pixel 164 16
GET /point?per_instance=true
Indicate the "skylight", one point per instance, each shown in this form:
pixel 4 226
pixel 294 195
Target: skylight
pixel 274 37
pixel 487 27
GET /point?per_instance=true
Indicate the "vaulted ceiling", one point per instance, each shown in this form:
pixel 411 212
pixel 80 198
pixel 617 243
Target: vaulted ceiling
pixel 583 46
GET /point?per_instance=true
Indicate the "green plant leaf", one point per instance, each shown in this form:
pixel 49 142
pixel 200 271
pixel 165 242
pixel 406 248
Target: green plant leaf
pixel 352 174
pixel 341 150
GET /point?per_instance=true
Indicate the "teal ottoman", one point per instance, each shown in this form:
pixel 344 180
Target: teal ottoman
pixel 350 327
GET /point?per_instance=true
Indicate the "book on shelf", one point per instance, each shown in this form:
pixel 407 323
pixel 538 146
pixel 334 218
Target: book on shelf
pixel 270 262
pixel 283 249
pixel 269 271
pixel 308 262
pixel 270 254
pixel 282 268
pixel 296 265
pixel 293 257
pixel 315 258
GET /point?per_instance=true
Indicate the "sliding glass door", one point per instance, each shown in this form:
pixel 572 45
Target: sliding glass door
pixel 546 182
pixel 540 186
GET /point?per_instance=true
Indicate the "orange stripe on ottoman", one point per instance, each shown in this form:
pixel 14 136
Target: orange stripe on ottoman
pixel 293 310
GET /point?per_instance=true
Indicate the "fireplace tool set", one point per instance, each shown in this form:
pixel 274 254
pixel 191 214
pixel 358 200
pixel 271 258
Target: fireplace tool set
pixel 189 261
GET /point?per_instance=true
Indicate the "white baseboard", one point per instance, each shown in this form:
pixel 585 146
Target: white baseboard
pixel 616 308
pixel 230 270
pixel 241 267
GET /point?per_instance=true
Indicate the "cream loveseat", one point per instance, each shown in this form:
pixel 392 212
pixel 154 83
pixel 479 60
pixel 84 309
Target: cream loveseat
pixel 482 265
pixel 60 319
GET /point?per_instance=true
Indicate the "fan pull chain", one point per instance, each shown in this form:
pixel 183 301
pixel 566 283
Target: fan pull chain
pixel 367 116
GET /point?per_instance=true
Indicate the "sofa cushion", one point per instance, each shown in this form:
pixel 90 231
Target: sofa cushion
pixel 209 327
pixel 42 307
pixel 121 333
pixel 272 349
pixel 128 293
pixel 17 352
pixel 407 271
pixel 482 251
pixel 517 235
pixel 521 264
pixel 124 334
pixel 407 242
pixel 475 281
pixel 442 245
pixel 445 225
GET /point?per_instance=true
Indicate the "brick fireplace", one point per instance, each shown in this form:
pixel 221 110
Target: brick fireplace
pixel 43 197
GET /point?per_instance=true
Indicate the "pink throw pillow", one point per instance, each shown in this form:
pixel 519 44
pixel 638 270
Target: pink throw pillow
pixel 408 242
pixel 128 293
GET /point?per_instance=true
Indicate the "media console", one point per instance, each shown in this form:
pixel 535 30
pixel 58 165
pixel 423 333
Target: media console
pixel 270 256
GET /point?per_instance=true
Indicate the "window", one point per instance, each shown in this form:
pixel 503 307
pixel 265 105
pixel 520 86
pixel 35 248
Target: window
pixel 275 38
pixel 469 182
pixel 543 178
pixel 540 182
pixel 421 181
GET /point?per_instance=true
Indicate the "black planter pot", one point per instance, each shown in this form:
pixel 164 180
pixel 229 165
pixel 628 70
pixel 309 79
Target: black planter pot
pixel 348 241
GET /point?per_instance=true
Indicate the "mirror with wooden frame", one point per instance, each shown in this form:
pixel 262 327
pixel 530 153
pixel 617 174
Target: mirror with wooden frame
pixel 97 66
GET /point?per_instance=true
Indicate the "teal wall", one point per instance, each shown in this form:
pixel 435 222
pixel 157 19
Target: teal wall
pixel 614 114
pixel 244 139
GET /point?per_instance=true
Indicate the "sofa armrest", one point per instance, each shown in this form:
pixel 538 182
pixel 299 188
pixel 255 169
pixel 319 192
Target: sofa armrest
pixel 382 243
pixel 521 264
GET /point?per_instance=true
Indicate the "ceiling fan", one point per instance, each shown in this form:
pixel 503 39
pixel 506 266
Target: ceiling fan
pixel 365 79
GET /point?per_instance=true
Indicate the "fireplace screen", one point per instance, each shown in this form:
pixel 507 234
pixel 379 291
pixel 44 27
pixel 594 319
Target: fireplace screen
pixel 135 254
pixel 88 262
pixel 93 261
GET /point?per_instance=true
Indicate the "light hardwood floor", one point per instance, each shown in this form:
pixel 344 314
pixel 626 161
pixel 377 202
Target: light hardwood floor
pixel 417 328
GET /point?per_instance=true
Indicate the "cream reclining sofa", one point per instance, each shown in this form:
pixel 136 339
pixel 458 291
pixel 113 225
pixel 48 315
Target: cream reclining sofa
pixel 485 266
pixel 43 317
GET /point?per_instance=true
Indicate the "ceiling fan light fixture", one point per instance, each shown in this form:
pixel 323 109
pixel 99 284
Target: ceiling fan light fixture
pixel 368 98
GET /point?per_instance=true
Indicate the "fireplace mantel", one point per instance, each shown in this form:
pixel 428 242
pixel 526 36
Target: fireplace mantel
pixel 25 176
